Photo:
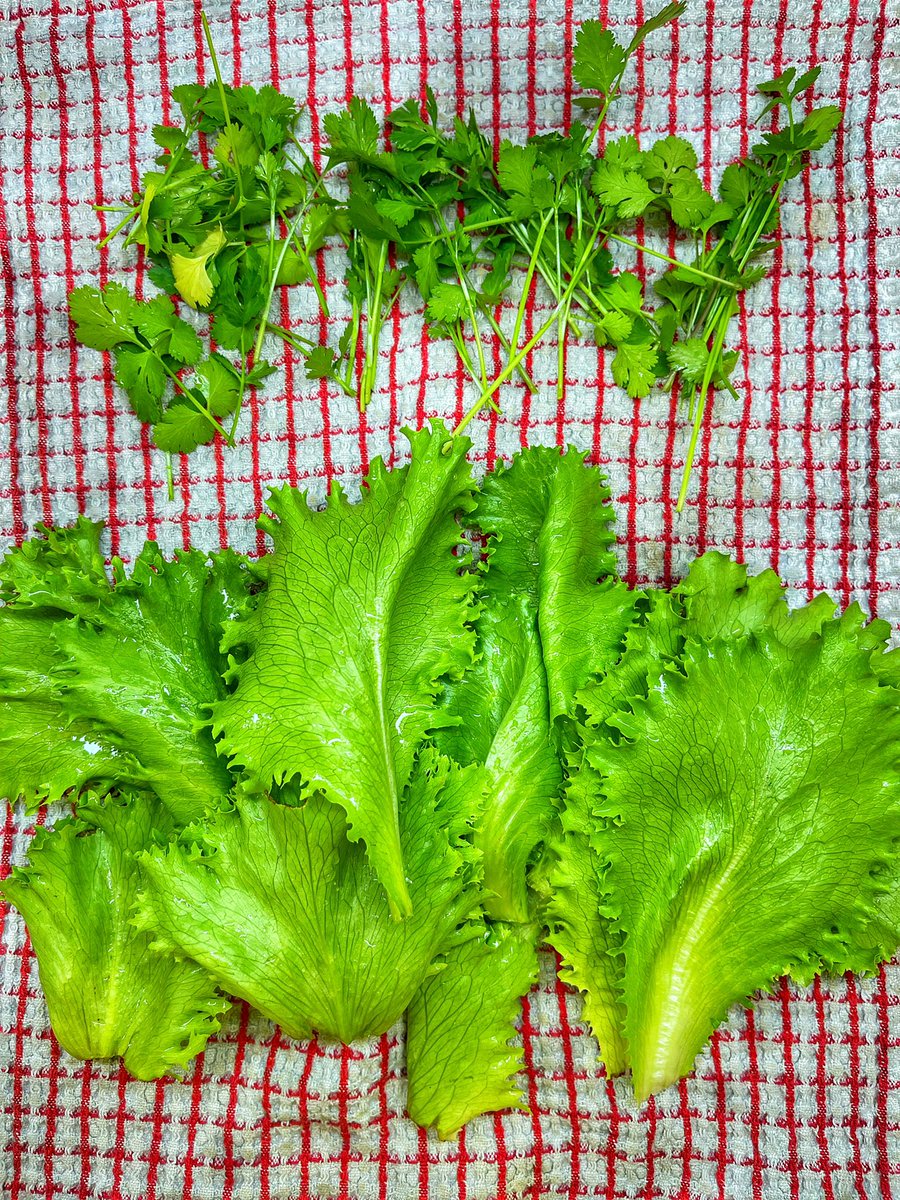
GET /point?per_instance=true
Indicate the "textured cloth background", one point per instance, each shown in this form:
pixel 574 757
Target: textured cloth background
pixel 799 1096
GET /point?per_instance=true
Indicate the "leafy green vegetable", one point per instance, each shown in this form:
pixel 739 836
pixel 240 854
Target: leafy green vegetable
pixel 550 544
pixel 151 345
pixel 107 992
pixel 283 910
pixel 120 673
pixel 458 1057
pixel 365 613
pixel 748 801
pixel 43 752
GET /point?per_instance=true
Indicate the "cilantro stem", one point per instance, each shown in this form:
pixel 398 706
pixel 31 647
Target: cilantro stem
pixel 463 282
pixel 264 320
pixel 526 286
pixel 715 356
pixel 505 343
pixel 132 213
pixel 221 85
pixel 627 241
pixel 532 342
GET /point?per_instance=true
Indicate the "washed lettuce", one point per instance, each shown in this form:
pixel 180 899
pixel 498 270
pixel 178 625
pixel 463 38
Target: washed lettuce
pixel 108 993
pixel 745 809
pixel 552 615
pixel 364 614
pixel 283 909
pixel 105 682
pixel 459 1062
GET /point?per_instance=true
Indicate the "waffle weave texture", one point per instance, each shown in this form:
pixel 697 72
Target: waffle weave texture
pixel 798 1098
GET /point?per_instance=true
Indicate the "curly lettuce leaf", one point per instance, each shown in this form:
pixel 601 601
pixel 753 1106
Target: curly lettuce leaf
pixel 284 910
pixel 550 523
pixel 503 717
pixel 44 753
pixel 546 624
pixel 364 614
pixel 459 1062
pixel 60 570
pixel 148 673
pixel 105 682
pixel 748 802
pixel 587 940
pixel 108 993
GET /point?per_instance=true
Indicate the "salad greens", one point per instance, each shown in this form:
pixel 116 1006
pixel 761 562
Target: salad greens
pixel 369 773
pixel 439 213
pixel 107 993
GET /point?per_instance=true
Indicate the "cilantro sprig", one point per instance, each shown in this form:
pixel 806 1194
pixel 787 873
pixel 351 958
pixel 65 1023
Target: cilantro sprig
pixel 417 202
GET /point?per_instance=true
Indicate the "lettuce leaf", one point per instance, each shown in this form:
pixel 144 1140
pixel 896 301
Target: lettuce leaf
pixel 283 909
pixel 748 811
pixel 108 993
pixel 458 1057
pixel 364 614
pixel 106 682
pixel 44 752
pixel 546 625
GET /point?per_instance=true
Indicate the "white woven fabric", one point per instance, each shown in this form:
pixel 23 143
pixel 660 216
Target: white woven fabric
pixel 801 1098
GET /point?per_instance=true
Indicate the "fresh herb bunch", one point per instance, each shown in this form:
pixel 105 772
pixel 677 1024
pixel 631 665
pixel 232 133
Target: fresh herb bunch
pixel 222 231
pixel 433 210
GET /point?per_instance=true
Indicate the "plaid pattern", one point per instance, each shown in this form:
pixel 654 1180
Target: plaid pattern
pixel 797 1098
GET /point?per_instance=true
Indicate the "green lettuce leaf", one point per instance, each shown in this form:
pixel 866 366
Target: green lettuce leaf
pixel 108 993
pixel 106 682
pixel 364 614
pixel 550 523
pixel 284 910
pixel 149 672
pixel 588 942
pixel 44 753
pixel 746 803
pixel 459 1061
pixel 580 928
pixel 59 570
pixel 546 625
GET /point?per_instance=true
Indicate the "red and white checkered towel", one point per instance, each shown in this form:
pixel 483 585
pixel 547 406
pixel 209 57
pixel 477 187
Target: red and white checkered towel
pixel 797 1098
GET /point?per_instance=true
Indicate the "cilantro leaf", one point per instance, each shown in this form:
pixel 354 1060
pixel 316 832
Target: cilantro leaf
pixel 142 376
pixel 667 14
pixel 634 367
pixel 385 614
pixel 108 994
pixel 818 126
pixel 689 202
pixel 667 157
pixel 182 428
pixel 191 272
pixel 354 136
pixel 690 359
pixel 167 332
pixel 598 60
pixel 624 152
pixel 625 191
pixel 103 317
pixel 447 302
